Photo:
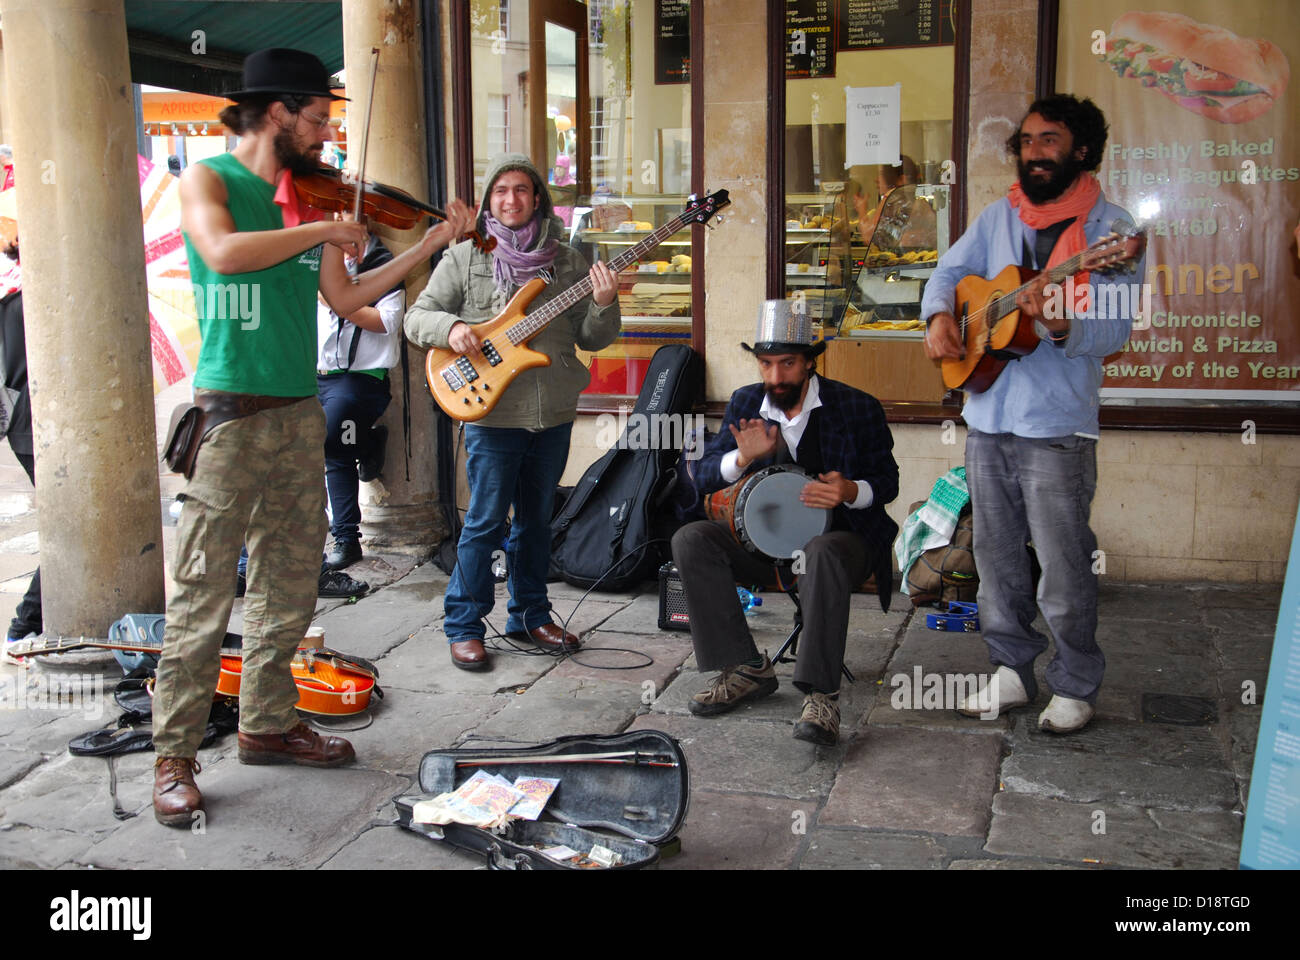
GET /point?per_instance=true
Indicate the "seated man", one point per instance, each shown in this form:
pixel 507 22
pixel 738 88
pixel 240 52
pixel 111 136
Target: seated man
pixel 837 434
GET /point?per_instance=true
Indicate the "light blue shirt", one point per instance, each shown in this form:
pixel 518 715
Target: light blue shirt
pixel 1053 391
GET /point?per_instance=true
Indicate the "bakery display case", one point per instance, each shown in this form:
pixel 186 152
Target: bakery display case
pixel 878 331
pixel 654 297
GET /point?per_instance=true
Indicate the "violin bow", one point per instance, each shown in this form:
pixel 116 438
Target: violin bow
pixel 365 141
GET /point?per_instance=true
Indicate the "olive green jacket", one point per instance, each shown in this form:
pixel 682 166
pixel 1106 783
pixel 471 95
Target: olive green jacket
pixel 462 288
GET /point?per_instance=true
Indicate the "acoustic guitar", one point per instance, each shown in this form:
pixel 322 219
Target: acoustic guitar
pixel 468 388
pixel 990 324
pixel 329 683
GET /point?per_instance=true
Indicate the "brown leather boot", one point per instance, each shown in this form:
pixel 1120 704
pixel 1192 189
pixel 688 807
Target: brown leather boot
pixel 176 797
pixel 301 745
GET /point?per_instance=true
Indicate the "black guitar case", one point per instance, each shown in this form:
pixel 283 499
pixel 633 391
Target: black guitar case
pixel 632 808
pixel 621 503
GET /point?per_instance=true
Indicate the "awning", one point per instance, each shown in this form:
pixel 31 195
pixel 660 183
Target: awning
pixel 200 46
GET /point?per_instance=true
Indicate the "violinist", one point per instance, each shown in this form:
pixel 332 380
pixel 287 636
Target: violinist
pixel 257 261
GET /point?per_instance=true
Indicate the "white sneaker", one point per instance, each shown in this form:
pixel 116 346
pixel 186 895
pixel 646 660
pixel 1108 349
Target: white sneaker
pixel 1065 715
pixel 1003 691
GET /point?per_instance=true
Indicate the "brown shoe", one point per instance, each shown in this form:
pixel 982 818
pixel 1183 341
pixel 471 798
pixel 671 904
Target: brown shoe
pixel 176 797
pixel 549 636
pixel 469 654
pixel 301 745
pixel 820 720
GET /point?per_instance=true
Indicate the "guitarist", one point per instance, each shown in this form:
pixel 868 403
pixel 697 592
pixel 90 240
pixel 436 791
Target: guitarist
pixel 515 455
pixel 1031 447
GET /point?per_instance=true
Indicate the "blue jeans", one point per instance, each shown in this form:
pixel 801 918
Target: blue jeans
pixel 1037 490
pixel 353 403
pixel 506 467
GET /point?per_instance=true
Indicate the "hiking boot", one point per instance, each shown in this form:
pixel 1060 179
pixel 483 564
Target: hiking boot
pixel 176 797
pixel 820 720
pixel 336 583
pixel 734 686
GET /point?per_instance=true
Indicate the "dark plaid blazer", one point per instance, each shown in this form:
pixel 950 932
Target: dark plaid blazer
pixel 854 438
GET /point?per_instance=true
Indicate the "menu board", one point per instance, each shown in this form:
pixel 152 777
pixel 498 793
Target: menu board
pixel 871 24
pixel 809 39
pixel 1216 188
pixel 672 41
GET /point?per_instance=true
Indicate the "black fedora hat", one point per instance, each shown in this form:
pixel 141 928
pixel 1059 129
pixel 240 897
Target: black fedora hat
pixel 284 70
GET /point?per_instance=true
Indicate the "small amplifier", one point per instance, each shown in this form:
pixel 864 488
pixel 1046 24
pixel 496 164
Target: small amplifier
pixel 672 600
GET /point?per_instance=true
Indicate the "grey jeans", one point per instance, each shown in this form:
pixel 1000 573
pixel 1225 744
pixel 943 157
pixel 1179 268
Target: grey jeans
pixel 1037 490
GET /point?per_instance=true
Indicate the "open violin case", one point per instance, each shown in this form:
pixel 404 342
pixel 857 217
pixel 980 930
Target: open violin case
pixel 633 803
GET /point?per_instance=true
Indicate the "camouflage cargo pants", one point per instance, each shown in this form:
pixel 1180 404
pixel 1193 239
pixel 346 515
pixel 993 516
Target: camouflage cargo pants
pixel 259 478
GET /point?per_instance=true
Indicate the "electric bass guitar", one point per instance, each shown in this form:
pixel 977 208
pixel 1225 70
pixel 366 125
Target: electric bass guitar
pixel 468 388
pixel 329 683
pixel 991 325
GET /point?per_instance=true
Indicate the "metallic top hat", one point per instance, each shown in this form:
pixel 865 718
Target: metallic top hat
pixel 783 327
pixel 284 70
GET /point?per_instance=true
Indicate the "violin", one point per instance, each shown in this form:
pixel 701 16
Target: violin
pixel 327 191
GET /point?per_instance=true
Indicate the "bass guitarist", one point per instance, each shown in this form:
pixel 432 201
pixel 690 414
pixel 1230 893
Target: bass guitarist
pixel 1031 447
pixel 515 455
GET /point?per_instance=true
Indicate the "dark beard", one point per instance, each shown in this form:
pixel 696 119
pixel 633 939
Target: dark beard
pixel 287 155
pixel 787 398
pixel 1043 191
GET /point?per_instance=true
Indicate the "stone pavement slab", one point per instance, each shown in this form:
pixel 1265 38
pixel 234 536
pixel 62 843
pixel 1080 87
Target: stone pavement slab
pixel 257 817
pixel 1159 743
pixel 1085 778
pixel 407 725
pixel 33 848
pixel 621 658
pixel 1170 603
pixel 423 664
pixel 771 761
pixel 736 831
pixel 1055 829
pixel 563 706
pixel 843 849
pixel 375 625
pixel 921 780
pixel 389 847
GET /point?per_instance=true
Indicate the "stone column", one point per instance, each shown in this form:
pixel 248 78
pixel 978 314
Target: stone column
pixel 735 157
pixel 397 514
pixel 71 119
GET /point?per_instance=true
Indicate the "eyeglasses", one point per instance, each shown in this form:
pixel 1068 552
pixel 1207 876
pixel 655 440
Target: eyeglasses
pixel 320 122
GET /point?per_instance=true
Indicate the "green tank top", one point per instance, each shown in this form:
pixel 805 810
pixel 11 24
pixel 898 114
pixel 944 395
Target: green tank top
pixel 258 329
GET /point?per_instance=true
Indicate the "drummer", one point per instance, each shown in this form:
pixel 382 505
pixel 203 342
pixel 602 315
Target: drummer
pixel 836 434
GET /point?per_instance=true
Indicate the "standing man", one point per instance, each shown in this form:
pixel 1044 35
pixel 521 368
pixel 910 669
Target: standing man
pixel 257 267
pixel 1031 460
pixel 16 405
pixel 837 434
pixel 515 455
pixel 355 354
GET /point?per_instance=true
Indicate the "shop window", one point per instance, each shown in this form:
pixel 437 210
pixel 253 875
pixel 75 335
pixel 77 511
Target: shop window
pixel 869 107
pixel 591 92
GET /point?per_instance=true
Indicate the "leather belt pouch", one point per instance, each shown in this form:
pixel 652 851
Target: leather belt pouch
pixel 192 422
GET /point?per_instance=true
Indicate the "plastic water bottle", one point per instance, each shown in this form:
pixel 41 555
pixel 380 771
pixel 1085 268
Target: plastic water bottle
pixel 748 601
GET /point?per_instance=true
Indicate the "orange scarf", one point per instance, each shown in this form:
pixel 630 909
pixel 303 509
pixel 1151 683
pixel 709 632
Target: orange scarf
pixel 1079 198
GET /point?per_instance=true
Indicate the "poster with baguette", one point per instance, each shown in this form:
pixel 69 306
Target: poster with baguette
pixel 1203 149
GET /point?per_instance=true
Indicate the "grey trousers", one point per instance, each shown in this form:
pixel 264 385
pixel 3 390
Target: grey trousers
pixel 1037 490
pixel 711 562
